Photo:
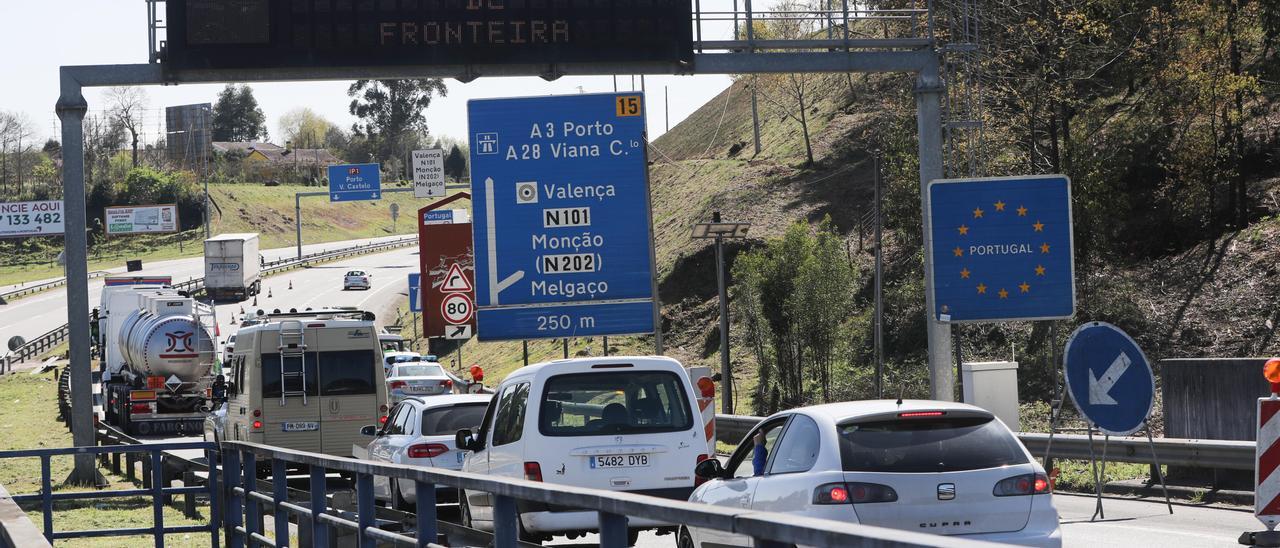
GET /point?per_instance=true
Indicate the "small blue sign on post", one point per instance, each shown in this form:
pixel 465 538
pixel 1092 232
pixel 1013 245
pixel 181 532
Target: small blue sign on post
pixel 415 292
pixel 354 182
pixel 1002 249
pixel 1109 378
pixel 563 235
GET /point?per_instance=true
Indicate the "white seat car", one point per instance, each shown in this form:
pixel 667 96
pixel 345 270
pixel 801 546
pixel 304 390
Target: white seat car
pixel 228 349
pixel 417 378
pixel 925 466
pixel 617 423
pixel 356 278
pixel 421 432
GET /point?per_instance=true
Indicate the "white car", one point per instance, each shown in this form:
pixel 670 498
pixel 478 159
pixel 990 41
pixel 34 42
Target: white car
pixel 356 278
pixel 228 349
pixel 617 423
pixel 925 466
pixel 421 431
pixel 391 358
pixel 417 378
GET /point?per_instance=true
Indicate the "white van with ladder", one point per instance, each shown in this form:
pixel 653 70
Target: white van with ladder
pixel 306 381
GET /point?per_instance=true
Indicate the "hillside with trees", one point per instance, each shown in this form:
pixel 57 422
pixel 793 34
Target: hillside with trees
pixel 1163 115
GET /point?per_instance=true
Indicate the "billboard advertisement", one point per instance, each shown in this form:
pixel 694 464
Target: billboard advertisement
pixel 148 219
pixel 42 218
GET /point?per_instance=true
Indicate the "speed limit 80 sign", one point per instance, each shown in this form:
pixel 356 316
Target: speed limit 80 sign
pixel 457 308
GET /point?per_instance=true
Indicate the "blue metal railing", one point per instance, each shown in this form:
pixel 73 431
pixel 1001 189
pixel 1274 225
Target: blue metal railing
pixel 158 492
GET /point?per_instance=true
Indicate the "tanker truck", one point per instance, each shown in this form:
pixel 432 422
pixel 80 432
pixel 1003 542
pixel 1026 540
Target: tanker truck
pixel 157 357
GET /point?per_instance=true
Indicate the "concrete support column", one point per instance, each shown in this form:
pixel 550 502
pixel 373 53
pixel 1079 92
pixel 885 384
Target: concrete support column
pixel 928 91
pixel 71 109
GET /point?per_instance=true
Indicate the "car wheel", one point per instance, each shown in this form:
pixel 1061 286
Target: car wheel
pixel 525 536
pixel 686 539
pixel 633 535
pixel 398 501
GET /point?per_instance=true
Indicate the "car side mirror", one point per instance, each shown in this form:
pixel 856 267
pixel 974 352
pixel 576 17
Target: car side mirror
pixel 465 440
pixel 369 430
pixel 709 469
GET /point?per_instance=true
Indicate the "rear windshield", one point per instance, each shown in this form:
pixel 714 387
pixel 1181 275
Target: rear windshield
pixel 442 421
pixel 622 402
pixel 355 273
pixel 340 373
pixel 418 371
pixel 929 445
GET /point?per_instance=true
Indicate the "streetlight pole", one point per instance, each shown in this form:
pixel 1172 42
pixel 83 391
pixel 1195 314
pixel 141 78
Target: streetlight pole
pixel 879 327
pixel 719 231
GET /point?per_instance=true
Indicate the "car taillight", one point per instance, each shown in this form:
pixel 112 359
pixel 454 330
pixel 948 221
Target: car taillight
pixel 397 384
pixel 1026 484
pixel 532 471
pixel 140 408
pixel 382 408
pixel 382 419
pixel 918 414
pixel 257 425
pixel 699 480
pixel 853 493
pixel 257 412
pixel 427 450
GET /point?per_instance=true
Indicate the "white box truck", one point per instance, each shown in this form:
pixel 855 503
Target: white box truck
pixel 231 266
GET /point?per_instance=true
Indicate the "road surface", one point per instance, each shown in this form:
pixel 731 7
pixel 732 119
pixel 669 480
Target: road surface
pixel 1129 523
pixel 38 314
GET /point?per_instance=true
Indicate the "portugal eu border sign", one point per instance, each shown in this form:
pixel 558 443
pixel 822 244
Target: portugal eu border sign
pixel 1109 378
pixel 355 182
pixel 1002 248
pixel 563 234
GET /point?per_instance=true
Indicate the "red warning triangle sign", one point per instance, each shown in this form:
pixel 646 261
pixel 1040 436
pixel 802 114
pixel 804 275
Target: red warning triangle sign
pixel 455 281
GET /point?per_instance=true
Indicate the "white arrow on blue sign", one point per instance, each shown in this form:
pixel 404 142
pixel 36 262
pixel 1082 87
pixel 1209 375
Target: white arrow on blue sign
pixel 1109 378
pixel 415 292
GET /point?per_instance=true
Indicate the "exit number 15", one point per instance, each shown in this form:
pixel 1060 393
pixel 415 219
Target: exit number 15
pixel 629 105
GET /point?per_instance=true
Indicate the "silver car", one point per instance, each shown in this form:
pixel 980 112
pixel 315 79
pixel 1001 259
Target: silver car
pixel 925 466
pixel 356 278
pixel 417 379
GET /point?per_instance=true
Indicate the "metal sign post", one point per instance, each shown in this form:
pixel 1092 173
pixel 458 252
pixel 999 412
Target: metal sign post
pixel 1111 383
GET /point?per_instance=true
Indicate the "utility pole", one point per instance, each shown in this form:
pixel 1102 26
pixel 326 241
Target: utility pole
pixel 879 325
pixel 666 110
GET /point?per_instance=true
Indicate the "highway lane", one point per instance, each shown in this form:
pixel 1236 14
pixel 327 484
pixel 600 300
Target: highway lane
pixel 38 314
pixel 318 287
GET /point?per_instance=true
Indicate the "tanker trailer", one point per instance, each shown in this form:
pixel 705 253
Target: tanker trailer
pixel 158 355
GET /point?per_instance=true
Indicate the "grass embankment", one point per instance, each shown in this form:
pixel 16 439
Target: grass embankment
pixel 29 420
pixel 245 207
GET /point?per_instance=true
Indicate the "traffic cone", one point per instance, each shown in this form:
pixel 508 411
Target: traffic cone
pixel 290 285
pixel 268 292
pixel 255 300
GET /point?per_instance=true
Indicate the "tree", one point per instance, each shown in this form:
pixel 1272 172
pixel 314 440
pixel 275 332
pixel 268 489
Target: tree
pixel 790 93
pixel 455 164
pixel 237 117
pixel 304 128
pixel 392 112
pixel 103 137
pixel 126 105
pixel 15 141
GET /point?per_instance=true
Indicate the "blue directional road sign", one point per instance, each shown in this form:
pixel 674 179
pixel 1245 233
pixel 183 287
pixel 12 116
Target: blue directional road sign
pixel 355 182
pixel 1109 378
pixel 415 292
pixel 1002 248
pixel 563 235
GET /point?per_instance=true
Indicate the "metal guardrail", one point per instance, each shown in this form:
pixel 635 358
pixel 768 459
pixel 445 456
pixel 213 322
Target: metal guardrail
pixel 245 503
pixel 157 491
pixel 1233 455
pixel 36 288
pixel 47 341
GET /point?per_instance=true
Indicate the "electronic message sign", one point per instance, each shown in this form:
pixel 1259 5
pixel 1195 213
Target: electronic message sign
pixel 237 34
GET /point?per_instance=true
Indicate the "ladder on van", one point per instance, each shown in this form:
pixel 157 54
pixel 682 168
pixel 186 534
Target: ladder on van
pixel 293 344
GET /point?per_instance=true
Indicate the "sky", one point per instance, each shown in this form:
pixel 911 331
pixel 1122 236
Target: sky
pixel 41 35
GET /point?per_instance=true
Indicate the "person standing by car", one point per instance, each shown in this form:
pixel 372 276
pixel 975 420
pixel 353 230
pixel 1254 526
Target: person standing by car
pixel 477 374
pixel 219 390
pixel 759 455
